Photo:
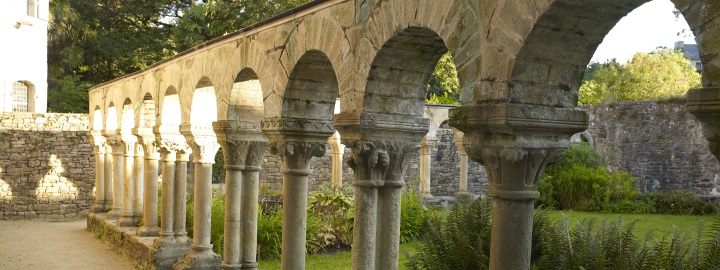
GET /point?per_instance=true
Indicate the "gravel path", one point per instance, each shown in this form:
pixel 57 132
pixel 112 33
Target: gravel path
pixel 32 244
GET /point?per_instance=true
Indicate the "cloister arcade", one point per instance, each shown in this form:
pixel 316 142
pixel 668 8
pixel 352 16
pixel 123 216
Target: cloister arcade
pixel 273 86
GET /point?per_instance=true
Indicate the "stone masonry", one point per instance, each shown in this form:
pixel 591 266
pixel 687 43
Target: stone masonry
pixel 46 166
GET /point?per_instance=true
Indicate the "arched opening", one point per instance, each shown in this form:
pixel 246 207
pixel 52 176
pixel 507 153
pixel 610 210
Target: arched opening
pixel 128 117
pixel 312 88
pixel 203 110
pixel 97 119
pixel 246 98
pixel 111 124
pixel 398 79
pixel 170 114
pixel 147 113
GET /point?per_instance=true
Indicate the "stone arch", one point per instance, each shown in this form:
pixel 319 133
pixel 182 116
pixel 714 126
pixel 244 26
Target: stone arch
pixel 246 98
pixel 397 81
pixel 312 88
pixel 550 64
pixel 203 109
pixel 111 122
pixel 170 109
pixel 97 118
pixel 147 117
pixel 127 117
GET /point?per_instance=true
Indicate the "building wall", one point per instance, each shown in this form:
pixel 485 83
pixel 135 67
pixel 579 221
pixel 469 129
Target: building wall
pixel 47 166
pixel 24 52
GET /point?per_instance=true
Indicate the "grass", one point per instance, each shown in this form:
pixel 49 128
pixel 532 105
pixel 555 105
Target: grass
pixel 660 224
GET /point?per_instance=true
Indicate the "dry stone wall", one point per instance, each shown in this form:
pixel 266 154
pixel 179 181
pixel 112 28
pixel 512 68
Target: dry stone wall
pixel 659 144
pixel 46 166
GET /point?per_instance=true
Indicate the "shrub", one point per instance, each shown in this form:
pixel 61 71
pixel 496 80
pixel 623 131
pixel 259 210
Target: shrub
pixel 269 232
pixel 579 182
pixel 334 208
pixel 413 215
pixel 679 202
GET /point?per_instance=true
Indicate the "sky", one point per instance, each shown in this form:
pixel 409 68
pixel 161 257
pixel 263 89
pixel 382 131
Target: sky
pixel 644 29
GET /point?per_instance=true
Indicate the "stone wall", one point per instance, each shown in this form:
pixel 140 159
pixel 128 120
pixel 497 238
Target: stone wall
pixel 660 144
pixel 46 166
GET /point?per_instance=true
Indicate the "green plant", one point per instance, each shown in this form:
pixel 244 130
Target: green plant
pixel 334 208
pixel 269 232
pixel 680 202
pixel 413 215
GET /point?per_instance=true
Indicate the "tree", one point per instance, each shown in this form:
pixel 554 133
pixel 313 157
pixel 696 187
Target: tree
pixel 443 86
pixel 661 74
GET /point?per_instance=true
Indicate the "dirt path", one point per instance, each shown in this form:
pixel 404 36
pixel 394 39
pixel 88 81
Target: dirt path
pixel 55 245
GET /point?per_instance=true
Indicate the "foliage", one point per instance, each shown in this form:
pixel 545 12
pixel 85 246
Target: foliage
pixel 334 207
pixel 443 86
pixel 661 74
pixel 461 241
pixel 579 182
pixel 680 202
pixel 413 215
pixel 218 168
pixel 269 233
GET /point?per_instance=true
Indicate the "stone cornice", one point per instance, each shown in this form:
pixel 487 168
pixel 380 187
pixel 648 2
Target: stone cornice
pixel 297 127
pixel 518 118
pixel 373 126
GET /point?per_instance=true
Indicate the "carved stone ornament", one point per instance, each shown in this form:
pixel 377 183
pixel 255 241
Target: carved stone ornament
pixel 151 149
pixel 296 155
pixel 243 154
pixel 204 149
pixel 514 172
pixel 380 163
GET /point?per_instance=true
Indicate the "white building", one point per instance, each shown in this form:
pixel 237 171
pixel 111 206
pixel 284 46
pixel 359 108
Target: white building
pixel 691 53
pixel 23 55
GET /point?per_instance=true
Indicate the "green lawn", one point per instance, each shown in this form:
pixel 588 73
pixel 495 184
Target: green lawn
pixel 660 224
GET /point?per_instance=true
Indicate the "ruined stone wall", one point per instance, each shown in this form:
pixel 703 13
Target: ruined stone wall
pixel 46 166
pixel 659 144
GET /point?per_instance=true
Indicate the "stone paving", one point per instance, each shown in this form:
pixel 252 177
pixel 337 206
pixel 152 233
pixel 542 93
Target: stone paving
pixel 34 244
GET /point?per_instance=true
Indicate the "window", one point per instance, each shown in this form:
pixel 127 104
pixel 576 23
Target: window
pixel 20 97
pixel 698 66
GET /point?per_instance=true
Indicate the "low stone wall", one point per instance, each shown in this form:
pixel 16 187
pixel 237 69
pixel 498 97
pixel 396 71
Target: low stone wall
pixel 659 144
pixel 46 166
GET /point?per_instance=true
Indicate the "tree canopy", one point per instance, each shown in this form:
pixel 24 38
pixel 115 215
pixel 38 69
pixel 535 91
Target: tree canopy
pixel 661 74
pixel 93 41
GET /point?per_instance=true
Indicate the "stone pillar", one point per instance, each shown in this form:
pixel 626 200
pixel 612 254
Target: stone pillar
pixel 99 147
pixel 181 176
pixel 425 164
pixel 204 147
pixel 380 157
pixel 458 140
pixel 169 142
pixel 704 104
pixel 108 177
pixel 515 142
pixel 117 177
pixel 297 141
pixel 138 179
pixel 243 148
pixel 150 203
pixel 128 218
pixel 338 149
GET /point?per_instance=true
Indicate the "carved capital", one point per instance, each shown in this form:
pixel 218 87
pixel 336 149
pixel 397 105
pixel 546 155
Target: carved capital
pixel 151 148
pixel 204 149
pixel 380 163
pixel 296 155
pixel 243 144
pixel 514 172
pixel 704 104
pixel 426 145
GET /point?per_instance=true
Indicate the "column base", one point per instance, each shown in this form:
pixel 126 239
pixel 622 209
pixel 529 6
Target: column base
pixel 249 266
pixel 199 258
pixel 129 221
pixel 145 231
pixel 99 207
pixel 114 214
pixel 169 252
pixel 231 266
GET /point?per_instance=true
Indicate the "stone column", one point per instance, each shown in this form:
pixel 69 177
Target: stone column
pixel 243 148
pixel 118 149
pixel 380 157
pixel 425 164
pixel 169 142
pixel 181 176
pixel 108 177
pixel 150 204
pixel 99 147
pixel 297 141
pixel 338 149
pixel 128 218
pixel 138 179
pixel 463 189
pixel 515 142
pixel 204 147
pixel 704 104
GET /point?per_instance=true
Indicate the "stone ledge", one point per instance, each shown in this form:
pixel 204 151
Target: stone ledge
pixel 126 240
